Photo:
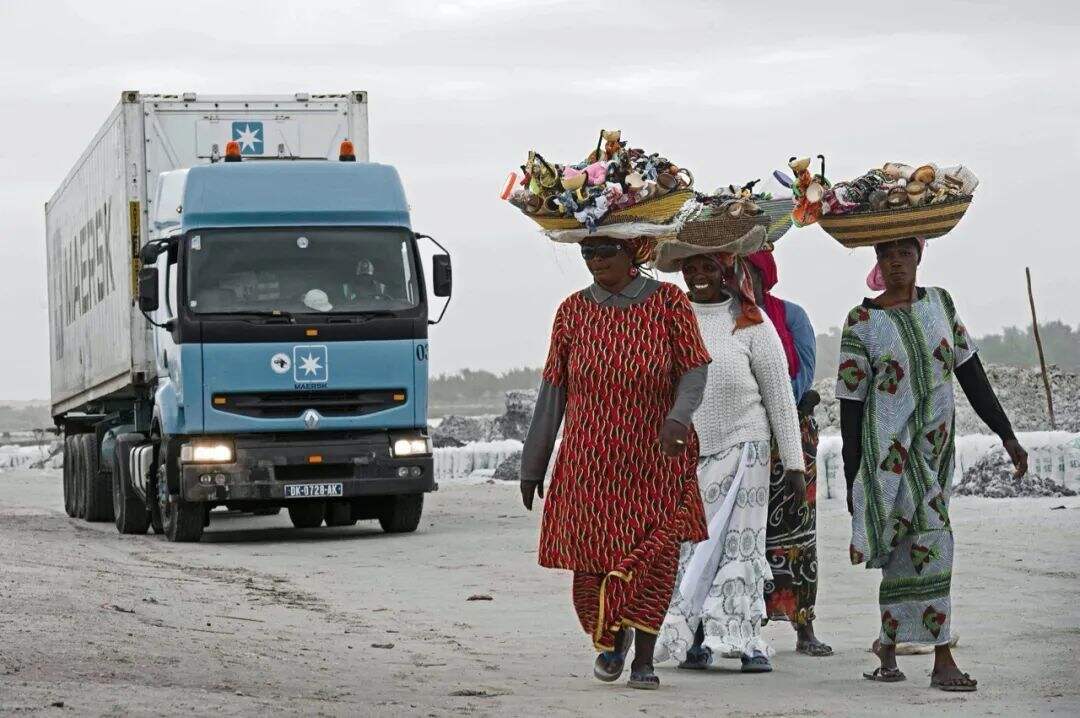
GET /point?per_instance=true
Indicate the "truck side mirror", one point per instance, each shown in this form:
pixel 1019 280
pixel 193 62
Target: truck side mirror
pixel 148 289
pixel 442 275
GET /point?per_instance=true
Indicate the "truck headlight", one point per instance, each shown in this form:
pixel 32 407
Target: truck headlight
pixel 207 452
pixel 410 446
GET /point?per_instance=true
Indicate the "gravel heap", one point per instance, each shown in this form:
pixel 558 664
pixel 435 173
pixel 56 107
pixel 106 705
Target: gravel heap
pixel 457 431
pixel 992 476
pixel 1020 390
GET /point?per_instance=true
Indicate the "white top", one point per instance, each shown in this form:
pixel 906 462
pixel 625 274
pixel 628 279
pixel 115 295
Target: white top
pixel 748 389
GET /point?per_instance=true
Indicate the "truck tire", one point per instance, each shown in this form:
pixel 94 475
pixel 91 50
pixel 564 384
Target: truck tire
pixel 339 513
pixel 78 477
pixel 129 509
pixel 69 473
pixel 307 514
pixel 402 513
pixel 98 491
pixel 182 520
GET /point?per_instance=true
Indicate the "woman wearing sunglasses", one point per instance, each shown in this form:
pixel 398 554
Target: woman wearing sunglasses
pixel 718 603
pixel 624 374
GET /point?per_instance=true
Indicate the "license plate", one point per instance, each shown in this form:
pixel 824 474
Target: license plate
pixel 313 491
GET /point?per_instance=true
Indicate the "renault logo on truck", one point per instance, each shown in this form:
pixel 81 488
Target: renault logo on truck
pixel 311 419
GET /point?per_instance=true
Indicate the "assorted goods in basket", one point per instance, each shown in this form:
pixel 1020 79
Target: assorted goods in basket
pixel 896 201
pixel 612 184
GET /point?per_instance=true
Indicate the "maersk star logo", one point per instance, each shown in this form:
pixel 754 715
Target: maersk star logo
pixel 250 136
pixel 310 364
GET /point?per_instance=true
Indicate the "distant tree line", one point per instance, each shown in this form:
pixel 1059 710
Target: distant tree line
pixel 473 391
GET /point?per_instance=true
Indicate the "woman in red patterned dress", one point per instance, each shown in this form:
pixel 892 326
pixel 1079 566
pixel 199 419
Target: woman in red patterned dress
pixel 624 374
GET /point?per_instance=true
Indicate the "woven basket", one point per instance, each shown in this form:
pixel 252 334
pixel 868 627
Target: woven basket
pixel 658 210
pixel 718 229
pixel 779 213
pixel 865 229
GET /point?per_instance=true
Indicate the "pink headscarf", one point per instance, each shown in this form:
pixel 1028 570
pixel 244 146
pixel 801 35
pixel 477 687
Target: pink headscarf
pixel 875 281
pixel 774 307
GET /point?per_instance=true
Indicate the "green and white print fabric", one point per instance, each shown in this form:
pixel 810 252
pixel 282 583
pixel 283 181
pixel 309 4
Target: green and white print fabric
pixel 900 364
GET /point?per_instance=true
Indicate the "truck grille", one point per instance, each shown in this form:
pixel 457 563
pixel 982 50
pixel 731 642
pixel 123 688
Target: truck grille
pixel 291 404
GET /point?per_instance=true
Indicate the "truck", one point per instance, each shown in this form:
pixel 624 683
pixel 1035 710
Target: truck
pixel 238 316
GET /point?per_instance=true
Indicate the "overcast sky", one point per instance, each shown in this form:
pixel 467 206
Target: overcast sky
pixel 459 91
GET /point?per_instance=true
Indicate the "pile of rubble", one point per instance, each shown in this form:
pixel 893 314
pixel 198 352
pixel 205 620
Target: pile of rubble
pixel 1020 390
pixel 992 476
pixel 456 431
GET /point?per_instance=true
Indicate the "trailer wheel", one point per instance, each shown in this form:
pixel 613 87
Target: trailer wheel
pixel 402 513
pixel 307 514
pixel 129 509
pixel 78 477
pixel 182 521
pixel 69 473
pixel 98 499
pixel 339 513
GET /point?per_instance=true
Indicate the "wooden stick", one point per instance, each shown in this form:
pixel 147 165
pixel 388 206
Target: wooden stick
pixel 1042 357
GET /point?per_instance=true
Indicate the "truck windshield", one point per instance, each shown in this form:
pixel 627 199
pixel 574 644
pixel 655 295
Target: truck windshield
pixel 313 271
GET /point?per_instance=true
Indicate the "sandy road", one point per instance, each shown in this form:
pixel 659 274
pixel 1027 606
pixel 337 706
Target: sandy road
pixel 264 619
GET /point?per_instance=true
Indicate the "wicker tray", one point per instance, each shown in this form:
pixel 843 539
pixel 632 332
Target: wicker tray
pixel 657 210
pixel 779 213
pixel 719 229
pixel 864 229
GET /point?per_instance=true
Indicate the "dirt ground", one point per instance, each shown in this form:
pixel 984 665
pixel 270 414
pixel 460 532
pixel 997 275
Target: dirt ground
pixel 263 619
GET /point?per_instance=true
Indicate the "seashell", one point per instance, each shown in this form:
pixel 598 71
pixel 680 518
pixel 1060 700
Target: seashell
pixel 897 170
pixel 575 182
pixel 667 181
pixel 814 192
pixel 635 181
pixel 799 165
pixel 916 193
pixel 925 174
pixel 735 209
pixel 897 197
pixel 878 199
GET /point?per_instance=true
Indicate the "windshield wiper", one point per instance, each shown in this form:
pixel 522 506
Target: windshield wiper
pixel 272 314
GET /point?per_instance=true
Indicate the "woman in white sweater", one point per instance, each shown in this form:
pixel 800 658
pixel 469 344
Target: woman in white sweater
pixel 718 603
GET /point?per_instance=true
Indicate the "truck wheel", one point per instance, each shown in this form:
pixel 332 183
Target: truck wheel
pixel 129 510
pixel 307 515
pixel 182 520
pixel 69 473
pixel 98 499
pixel 339 513
pixel 402 513
pixel 78 477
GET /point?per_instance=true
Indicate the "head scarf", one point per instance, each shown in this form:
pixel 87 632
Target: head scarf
pixel 775 307
pixel 734 275
pixel 876 282
pixel 640 249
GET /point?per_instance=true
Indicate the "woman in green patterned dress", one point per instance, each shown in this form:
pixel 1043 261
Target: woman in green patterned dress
pixel 899 353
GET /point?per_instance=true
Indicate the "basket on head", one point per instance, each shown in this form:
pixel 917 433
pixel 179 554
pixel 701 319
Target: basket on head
pixel 864 229
pixel 779 213
pixel 656 210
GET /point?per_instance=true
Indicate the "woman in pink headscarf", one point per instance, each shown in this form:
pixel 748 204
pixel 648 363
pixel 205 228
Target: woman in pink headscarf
pixel 791 530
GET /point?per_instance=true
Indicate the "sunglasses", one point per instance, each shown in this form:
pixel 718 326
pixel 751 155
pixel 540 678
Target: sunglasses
pixel 606 251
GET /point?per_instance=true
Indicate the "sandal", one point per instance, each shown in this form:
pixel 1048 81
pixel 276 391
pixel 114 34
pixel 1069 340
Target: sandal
pixel 962 683
pixel 645 680
pixel 813 647
pixel 698 658
pixel 756 662
pixel 886 675
pixel 609 665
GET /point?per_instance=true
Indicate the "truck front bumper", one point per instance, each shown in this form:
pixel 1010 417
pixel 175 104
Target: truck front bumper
pixel 265 465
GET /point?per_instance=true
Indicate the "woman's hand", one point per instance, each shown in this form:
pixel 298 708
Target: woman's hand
pixel 528 489
pixel 673 437
pixel 1018 455
pixel 796 481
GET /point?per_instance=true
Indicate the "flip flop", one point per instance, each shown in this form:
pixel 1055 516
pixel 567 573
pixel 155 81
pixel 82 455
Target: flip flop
pixel 698 658
pixel 813 648
pixel 609 665
pixel 757 662
pixel 644 680
pixel 886 675
pixel 960 684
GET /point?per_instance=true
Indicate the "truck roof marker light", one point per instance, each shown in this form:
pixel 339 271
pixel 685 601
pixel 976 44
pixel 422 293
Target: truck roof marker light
pixel 232 151
pixel 311 332
pixel 347 153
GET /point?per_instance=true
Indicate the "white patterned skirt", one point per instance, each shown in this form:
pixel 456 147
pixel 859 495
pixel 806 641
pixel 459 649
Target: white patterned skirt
pixel 721 582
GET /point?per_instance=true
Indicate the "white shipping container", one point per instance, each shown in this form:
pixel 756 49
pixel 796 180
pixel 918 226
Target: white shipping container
pixel 96 222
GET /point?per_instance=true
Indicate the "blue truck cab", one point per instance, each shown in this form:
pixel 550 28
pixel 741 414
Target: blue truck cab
pixel 290 317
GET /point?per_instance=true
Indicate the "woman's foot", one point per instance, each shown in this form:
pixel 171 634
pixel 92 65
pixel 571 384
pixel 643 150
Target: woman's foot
pixel 947 676
pixel 642 675
pixel 888 671
pixel 756 662
pixel 698 658
pixel 609 664
pixel 808 644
